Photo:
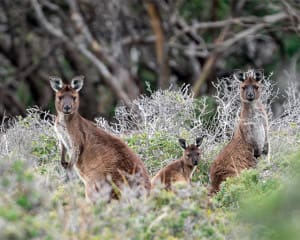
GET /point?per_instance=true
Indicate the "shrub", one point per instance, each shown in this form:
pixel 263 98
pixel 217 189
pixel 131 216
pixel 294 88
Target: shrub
pixel 39 204
pixel 275 215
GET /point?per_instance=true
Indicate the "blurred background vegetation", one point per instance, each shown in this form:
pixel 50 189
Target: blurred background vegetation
pixel 126 48
pixel 121 46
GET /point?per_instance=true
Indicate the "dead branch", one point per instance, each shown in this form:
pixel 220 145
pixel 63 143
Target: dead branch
pixel 160 44
pixel 293 16
pixel 124 79
pixel 209 64
pixel 220 46
pixel 109 79
pixel 130 40
pixel 266 21
pixel 81 27
pixel 214 24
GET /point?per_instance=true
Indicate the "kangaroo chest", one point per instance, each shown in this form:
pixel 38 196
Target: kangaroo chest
pixel 255 129
pixel 188 173
pixel 192 172
pixel 64 136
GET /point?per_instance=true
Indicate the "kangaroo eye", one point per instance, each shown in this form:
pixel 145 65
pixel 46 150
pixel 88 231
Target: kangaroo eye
pixel 60 98
pixel 256 87
pixel 74 98
pixel 243 88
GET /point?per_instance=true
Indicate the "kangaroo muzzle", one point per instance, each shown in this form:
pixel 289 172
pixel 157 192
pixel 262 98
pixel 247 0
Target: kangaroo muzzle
pixel 250 94
pixel 195 161
pixel 67 109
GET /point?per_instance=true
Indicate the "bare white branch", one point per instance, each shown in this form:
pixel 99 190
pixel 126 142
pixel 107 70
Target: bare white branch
pixel 109 79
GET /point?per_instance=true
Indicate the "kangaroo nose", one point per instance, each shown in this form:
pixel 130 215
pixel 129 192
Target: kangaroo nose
pixel 67 108
pixel 250 96
pixel 195 162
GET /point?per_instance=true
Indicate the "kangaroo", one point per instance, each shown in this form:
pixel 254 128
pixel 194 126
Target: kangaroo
pixel 250 139
pixel 182 169
pixel 98 157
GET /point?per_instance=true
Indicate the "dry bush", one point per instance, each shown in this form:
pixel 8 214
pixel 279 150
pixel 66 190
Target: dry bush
pixel 32 178
pixel 153 125
pixel 20 134
pixel 33 139
pixel 164 111
pixel 175 113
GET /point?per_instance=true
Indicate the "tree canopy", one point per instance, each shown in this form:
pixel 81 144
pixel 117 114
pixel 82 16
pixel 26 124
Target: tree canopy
pixel 124 46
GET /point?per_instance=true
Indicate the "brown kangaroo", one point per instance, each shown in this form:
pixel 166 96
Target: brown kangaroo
pixel 182 169
pixel 100 159
pixel 250 139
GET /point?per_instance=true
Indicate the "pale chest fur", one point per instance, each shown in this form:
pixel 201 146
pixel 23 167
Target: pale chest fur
pixel 254 127
pixel 191 175
pixel 184 175
pixel 64 136
pixel 187 173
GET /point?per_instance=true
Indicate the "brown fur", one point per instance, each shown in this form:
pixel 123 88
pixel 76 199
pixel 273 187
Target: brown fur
pixel 249 140
pixel 98 156
pixel 180 170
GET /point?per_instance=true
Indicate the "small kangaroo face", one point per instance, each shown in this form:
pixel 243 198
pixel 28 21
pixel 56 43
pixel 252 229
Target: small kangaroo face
pixel 250 90
pixel 192 152
pixel 66 100
pixel 250 87
pixel 66 97
pixel 192 155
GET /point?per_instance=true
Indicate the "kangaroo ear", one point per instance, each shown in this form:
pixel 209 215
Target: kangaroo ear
pixel 56 83
pixel 182 143
pixel 77 83
pixel 199 141
pixel 239 75
pixel 258 75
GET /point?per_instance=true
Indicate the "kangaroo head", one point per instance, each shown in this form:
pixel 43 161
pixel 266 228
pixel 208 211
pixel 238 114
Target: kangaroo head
pixel 66 95
pixel 250 86
pixel 192 152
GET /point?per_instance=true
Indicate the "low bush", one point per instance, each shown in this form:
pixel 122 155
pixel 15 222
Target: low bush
pixel 38 203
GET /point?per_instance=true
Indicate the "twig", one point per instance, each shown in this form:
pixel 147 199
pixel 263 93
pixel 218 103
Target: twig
pixel 271 19
pixel 215 24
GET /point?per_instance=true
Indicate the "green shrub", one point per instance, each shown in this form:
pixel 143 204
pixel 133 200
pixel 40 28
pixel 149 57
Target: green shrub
pixel 248 184
pixel 155 151
pixel 276 215
pixel 45 149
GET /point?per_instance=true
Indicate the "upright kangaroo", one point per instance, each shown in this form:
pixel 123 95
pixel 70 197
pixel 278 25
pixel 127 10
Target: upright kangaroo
pixel 250 139
pixel 99 157
pixel 182 169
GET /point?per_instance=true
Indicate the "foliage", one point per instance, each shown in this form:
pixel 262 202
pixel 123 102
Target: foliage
pixel 276 214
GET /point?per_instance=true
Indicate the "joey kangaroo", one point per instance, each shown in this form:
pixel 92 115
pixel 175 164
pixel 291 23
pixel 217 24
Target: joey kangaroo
pixel 250 139
pixel 182 169
pixel 99 158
